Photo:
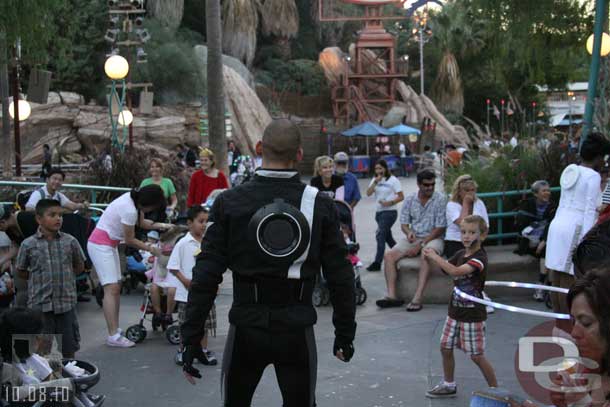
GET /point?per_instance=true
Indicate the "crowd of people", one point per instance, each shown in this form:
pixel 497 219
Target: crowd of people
pixel 39 261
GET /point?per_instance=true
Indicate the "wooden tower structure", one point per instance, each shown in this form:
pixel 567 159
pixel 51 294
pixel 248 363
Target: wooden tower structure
pixel 367 89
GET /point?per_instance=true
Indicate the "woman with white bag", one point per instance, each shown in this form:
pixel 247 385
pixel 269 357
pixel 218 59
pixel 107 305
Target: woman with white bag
pixel 576 214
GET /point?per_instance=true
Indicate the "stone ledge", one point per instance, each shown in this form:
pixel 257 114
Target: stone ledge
pixel 503 265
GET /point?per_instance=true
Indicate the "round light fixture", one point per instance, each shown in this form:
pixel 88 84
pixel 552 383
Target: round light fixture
pixel 413 138
pixel 125 118
pixel 24 110
pixel 605 44
pixel 116 67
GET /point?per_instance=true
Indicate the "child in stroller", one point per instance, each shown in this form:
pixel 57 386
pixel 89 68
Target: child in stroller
pixel 38 378
pixel 321 295
pixel 159 293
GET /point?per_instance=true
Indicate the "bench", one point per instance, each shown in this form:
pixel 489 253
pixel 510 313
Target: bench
pixel 503 265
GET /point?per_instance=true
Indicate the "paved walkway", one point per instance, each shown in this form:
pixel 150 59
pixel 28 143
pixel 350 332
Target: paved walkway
pixel 396 358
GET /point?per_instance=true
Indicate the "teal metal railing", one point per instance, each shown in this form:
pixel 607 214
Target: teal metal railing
pixel 93 190
pixel 500 215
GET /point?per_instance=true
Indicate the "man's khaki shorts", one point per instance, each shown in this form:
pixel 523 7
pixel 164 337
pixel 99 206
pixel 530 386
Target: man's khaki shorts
pixel 403 245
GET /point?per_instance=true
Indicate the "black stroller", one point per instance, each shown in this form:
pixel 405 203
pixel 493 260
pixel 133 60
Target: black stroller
pixel 69 391
pixel 321 294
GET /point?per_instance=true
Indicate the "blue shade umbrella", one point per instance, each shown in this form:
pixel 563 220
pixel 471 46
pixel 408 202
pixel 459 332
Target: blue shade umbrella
pixel 404 130
pixel 368 129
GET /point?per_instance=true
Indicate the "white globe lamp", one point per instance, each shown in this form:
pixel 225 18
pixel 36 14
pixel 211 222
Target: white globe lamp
pixel 605 44
pixel 125 118
pixel 116 67
pixel 24 110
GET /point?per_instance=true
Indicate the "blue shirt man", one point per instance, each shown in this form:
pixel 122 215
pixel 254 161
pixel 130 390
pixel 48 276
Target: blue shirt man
pixel 350 182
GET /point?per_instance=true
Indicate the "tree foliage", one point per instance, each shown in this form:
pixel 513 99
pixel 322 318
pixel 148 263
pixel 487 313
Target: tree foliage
pixel 172 66
pixel 77 52
pixel 523 46
pixel 30 21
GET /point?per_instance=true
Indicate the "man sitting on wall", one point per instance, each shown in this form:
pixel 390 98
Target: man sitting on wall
pixel 423 222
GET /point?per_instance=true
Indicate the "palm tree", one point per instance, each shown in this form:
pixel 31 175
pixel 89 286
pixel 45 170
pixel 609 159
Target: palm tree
pixel 457 35
pixel 168 12
pixel 239 27
pixel 216 100
pixel 280 19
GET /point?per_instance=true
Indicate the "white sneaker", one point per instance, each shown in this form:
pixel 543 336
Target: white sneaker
pixel 121 342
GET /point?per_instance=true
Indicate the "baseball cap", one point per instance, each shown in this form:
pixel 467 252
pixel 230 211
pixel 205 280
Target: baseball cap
pixel 341 157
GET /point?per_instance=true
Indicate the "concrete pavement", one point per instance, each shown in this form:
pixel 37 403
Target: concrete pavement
pixel 396 361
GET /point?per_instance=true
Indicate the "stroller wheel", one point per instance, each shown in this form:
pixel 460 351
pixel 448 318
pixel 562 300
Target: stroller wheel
pixel 325 296
pixel 360 295
pixel 99 295
pixel 317 296
pixel 173 334
pixel 136 333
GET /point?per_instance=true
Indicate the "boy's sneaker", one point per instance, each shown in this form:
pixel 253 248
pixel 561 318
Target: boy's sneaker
pixel 442 390
pixel 120 342
pixel 208 358
pixel 178 358
pixel 539 295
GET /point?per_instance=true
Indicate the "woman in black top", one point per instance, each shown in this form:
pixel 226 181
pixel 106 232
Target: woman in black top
pixel 325 180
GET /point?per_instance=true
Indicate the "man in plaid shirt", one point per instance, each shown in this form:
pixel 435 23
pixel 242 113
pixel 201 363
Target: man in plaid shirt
pixel 49 260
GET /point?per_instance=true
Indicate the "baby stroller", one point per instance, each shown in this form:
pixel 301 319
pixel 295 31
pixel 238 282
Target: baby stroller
pixel 71 390
pixel 321 294
pixel 137 333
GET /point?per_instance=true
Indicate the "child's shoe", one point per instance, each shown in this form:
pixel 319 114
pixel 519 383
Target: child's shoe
pixel 442 390
pixel 157 320
pixel 207 358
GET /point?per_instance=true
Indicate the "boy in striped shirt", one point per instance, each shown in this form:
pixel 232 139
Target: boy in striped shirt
pixel 465 324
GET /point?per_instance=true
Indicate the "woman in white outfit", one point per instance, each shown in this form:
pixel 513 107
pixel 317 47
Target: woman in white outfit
pixel 117 224
pixel 576 214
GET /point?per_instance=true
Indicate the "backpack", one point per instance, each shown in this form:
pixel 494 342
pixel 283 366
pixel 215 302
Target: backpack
pixel 24 196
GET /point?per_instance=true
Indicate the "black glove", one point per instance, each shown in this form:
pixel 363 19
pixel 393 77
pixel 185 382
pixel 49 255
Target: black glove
pixel 190 353
pixel 346 348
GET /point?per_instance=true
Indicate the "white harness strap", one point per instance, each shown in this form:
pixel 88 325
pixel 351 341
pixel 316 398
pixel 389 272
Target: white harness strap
pixel 307 203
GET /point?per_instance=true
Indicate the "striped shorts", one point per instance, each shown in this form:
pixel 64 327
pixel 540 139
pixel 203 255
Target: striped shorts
pixel 210 321
pixel 467 336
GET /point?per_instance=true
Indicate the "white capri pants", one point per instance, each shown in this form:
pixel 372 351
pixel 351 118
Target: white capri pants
pixel 106 262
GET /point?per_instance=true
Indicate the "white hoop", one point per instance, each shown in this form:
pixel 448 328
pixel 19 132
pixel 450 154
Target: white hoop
pixel 512 308
pixel 514 284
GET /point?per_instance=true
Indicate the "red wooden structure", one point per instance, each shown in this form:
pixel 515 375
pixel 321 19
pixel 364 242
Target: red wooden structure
pixel 367 89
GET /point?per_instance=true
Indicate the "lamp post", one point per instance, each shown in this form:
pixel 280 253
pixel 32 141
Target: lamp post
pixel 534 116
pixel 596 49
pixel 502 101
pixel 421 33
pixel 117 68
pixel 18 110
pixel 571 97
